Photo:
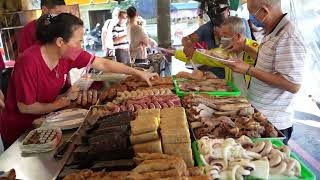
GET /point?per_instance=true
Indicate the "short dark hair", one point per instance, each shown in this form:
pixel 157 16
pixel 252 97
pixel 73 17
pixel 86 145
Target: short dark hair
pixel 132 12
pixel 52 3
pixel 122 12
pixel 49 28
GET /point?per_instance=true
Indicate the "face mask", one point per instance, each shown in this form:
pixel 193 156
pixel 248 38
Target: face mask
pixel 255 21
pixel 72 53
pixel 224 41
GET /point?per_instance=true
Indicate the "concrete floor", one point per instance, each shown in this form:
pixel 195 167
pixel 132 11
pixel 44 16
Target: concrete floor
pixel 305 139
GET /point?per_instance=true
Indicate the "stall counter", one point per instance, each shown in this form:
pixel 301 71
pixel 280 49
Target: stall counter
pixel 33 166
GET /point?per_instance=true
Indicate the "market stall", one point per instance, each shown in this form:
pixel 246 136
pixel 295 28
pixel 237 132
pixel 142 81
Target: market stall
pixel 189 126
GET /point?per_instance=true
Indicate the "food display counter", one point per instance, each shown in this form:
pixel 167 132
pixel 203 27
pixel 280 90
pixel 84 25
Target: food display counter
pixel 141 132
pixel 32 166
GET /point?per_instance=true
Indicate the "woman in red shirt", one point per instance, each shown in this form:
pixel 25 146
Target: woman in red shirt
pixel 41 72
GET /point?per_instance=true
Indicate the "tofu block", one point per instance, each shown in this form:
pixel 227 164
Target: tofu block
pixel 172 137
pixel 174 123
pixel 154 112
pixel 149 147
pixel 141 126
pixel 168 112
pixel 148 118
pixel 177 147
pixel 142 138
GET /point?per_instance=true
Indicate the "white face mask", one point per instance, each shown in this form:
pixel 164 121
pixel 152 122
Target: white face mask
pixel 224 41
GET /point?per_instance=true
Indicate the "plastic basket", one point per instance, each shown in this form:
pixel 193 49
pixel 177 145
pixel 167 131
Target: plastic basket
pixel 306 173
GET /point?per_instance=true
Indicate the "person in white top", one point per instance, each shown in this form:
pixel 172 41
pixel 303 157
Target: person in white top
pixel 138 38
pixel 120 41
pixel 107 35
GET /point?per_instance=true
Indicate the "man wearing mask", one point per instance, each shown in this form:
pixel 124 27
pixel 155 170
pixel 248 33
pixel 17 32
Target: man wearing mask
pixel 27 35
pixel 233 30
pixel 218 11
pixel 277 75
pixel 120 41
pixel 208 34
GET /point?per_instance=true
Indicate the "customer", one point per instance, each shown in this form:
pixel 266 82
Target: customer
pixel 278 73
pixel 36 84
pixel 27 35
pixel 106 33
pixel 207 36
pixel 138 38
pixel 233 30
pixel 208 33
pixel 120 41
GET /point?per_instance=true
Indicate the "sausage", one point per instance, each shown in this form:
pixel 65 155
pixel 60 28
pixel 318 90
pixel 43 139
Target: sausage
pixel 130 107
pixel 163 105
pixel 137 107
pixel 152 106
pixel 116 109
pixel 157 104
pixel 170 104
pixel 123 108
pixel 144 105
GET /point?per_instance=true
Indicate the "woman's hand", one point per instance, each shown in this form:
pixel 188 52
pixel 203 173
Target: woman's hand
pixel 2 105
pixel 89 97
pixel 238 65
pixel 61 102
pixel 146 76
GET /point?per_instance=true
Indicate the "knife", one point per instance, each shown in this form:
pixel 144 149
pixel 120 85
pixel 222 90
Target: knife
pixel 65 145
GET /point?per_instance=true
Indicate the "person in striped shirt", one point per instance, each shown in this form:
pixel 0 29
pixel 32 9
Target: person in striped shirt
pixel 120 40
pixel 277 75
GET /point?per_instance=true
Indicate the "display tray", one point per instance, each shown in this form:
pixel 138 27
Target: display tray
pixel 306 173
pixel 235 92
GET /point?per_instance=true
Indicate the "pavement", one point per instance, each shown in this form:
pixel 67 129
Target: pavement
pixel 305 140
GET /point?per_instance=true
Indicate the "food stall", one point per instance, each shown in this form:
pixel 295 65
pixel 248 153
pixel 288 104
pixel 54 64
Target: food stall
pixel 212 135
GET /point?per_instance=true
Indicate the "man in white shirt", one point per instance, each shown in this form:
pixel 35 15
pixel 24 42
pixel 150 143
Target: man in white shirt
pixel 277 75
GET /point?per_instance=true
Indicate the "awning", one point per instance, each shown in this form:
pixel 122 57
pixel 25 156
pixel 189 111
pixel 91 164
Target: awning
pixel 70 2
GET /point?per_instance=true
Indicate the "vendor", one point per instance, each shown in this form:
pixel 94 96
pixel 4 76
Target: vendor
pixel 277 75
pixel 41 72
pixel 27 35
